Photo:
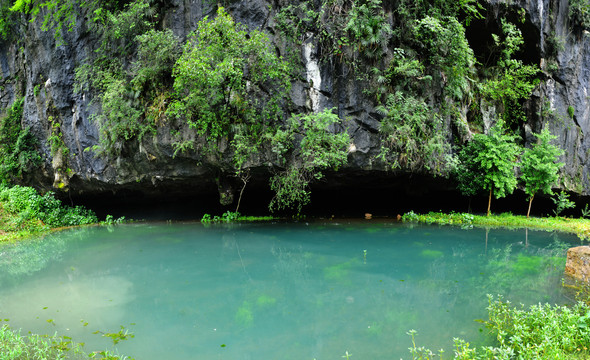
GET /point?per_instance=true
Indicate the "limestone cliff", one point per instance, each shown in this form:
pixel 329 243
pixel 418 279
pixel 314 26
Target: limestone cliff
pixel 33 65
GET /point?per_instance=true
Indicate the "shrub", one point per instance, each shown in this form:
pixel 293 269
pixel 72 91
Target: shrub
pixel 320 149
pixel 562 202
pixel 27 205
pixel 413 135
pixel 541 332
pixel 18 154
pixel 579 13
pixel 221 80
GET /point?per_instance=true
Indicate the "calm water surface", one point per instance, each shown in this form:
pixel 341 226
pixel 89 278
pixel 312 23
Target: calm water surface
pixel 274 291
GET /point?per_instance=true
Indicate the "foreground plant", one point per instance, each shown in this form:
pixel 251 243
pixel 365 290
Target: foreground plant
pixel 542 331
pixel 14 346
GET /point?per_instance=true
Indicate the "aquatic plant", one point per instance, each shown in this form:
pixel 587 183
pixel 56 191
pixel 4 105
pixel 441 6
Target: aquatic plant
pixel 116 337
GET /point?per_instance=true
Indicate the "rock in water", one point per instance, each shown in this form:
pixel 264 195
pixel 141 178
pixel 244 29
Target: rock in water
pixel 578 263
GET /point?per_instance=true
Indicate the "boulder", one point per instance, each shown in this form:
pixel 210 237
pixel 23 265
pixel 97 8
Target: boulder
pixel 578 263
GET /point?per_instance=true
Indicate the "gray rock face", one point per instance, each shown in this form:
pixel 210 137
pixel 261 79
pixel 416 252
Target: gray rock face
pixel 44 74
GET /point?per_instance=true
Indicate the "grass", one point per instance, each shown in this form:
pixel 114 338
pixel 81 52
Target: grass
pixel 231 216
pixel 579 227
pixel 15 346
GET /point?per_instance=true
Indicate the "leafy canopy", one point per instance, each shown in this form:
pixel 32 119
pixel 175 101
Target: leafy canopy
pixel 539 164
pixel 223 78
pixel 488 163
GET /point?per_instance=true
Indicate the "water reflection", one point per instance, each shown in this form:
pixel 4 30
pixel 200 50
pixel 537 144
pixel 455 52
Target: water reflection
pixel 275 290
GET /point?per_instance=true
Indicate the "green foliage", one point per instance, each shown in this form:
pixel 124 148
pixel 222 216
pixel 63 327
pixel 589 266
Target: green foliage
pixel 226 217
pixel 511 81
pixel 15 346
pixel 291 189
pixel 55 140
pixel 120 119
pixel 28 207
pixel 571 111
pixel 18 154
pixel 6 20
pixel 488 163
pixel 444 41
pixel 579 13
pixel 542 331
pixel 352 30
pixel 562 202
pixel 222 82
pixel 222 77
pixel 117 337
pixel 156 54
pixel 412 9
pixel 118 29
pixel 294 20
pixel 132 100
pixel 580 227
pixel 58 15
pixel 320 149
pixel 367 28
pixel 406 73
pixel 539 165
pixel 413 135
pixel 232 216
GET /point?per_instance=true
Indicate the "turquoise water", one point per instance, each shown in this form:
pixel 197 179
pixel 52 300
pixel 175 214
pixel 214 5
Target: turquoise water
pixel 274 291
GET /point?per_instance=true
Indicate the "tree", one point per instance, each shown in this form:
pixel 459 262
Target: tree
pixel 539 166
pixel 488 163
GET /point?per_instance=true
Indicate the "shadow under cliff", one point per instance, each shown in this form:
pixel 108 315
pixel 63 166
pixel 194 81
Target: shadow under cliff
pixel 338 195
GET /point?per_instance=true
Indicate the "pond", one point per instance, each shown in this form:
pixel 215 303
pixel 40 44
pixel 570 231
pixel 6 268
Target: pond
pixel 274 291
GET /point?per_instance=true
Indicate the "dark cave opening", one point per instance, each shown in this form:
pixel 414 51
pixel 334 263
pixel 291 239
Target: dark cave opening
pixel 339 195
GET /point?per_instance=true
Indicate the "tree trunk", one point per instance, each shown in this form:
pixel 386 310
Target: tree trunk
pixel 245 180
pixel 530 203
pixel 490 202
